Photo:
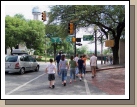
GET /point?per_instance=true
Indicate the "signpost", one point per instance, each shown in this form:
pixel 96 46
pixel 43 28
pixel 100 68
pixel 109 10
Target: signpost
pixel 69 39
pixel 88 37
pixel 55 39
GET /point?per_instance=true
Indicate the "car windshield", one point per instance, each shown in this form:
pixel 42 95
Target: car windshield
pixel 11 58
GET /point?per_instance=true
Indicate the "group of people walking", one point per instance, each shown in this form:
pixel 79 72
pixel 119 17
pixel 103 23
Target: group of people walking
pixel 76 65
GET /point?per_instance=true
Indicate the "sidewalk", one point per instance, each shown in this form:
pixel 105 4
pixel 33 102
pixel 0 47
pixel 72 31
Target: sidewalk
pixel 99 65
pixel 103 66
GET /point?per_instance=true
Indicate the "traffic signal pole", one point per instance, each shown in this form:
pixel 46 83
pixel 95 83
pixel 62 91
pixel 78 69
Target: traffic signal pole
pixel 74 36
pixel 75 41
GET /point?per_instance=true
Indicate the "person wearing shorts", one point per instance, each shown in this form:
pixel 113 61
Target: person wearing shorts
pixel 93 64
pixel 51 70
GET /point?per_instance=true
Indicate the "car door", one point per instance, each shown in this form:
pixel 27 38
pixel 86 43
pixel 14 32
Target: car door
pixel 33 63
pixel 27 64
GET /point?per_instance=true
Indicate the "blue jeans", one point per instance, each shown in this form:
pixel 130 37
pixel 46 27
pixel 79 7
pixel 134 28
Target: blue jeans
pixel 64 74
pixel 77 70
pixel 59 73
pixel 72 73
pixel 84 69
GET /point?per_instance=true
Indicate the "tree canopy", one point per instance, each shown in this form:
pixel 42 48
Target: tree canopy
pixel 110 19
pixel 18 30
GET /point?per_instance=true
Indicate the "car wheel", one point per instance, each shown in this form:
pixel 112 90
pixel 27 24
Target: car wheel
pixel 37 68
pixel 22 71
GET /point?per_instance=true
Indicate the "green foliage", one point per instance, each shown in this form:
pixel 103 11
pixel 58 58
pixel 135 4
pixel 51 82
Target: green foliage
pixel 107 51
pixel 82 50
pixel 18 30
pixel 110 19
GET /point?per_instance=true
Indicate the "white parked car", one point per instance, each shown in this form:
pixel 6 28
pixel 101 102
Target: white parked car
pixel 20 64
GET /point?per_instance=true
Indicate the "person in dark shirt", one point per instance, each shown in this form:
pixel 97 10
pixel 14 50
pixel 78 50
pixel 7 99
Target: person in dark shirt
pixel 58 57
pixel 80 67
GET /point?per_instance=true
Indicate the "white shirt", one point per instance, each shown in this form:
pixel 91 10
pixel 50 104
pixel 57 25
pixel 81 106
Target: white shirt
pixel 51 68
pixel 93 60
pixel 76 59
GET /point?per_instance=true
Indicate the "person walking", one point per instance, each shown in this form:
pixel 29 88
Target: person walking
pixel 93 64
pixel 57 60
pixel 84 58
pixel 72 66
pixel 51 70
pixel 111 59
pixel 63 67
pixel 77 70
pixel 80 67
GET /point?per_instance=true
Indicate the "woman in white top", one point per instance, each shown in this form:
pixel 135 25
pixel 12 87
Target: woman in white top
pixel 51 69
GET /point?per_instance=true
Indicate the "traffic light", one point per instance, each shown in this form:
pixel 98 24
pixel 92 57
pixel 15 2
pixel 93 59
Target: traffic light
pixel 70 28
pixel 73 39
pixel 44 16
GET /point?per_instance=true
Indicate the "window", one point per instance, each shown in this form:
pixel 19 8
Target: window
pixel 21 58
pixel 26 58
pixel 31 59
pixel 11 58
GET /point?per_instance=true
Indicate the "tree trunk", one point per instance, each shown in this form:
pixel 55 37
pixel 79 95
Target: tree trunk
pixel 55 47
pixel 115 50
pixel 11 50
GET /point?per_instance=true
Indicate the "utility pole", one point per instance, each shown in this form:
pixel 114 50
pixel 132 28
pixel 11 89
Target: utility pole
pixel 95 42
pixel 101 50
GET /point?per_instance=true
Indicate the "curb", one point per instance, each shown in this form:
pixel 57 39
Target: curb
pixel 101 69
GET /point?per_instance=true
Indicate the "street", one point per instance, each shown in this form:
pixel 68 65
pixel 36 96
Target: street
pixel 36 83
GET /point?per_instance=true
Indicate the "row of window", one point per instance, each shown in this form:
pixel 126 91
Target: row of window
pixel 22 58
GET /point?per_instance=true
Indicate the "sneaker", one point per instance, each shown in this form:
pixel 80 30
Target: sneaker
pixel 64 84
pixel 92 77
pixel 80 79
pixel 53 86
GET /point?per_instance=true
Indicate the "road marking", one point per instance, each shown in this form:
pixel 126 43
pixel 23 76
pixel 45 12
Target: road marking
pixel 87 88
pixel 23 85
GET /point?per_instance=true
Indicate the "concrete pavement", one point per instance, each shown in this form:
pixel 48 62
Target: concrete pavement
pixel 110 80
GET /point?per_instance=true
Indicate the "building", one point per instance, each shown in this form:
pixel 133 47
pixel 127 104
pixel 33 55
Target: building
pixel 36 12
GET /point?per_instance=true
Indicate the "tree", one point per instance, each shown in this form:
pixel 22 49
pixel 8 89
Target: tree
pixel 54 30
pixel 109 18
pixel 18 30
pixel 82 50
pixel 14 29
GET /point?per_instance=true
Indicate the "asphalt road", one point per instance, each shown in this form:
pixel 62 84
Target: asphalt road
pixel 36 83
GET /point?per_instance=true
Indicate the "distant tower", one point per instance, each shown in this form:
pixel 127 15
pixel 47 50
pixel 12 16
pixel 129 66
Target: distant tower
pixel 36 11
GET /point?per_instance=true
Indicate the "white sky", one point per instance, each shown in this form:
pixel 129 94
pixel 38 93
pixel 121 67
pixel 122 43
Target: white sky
pixel 25 8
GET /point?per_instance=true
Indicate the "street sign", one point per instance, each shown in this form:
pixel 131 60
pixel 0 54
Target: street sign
pixel 79 44
pixel 78 39
pixel 69 39
pixel 88 37
pixel 55 39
